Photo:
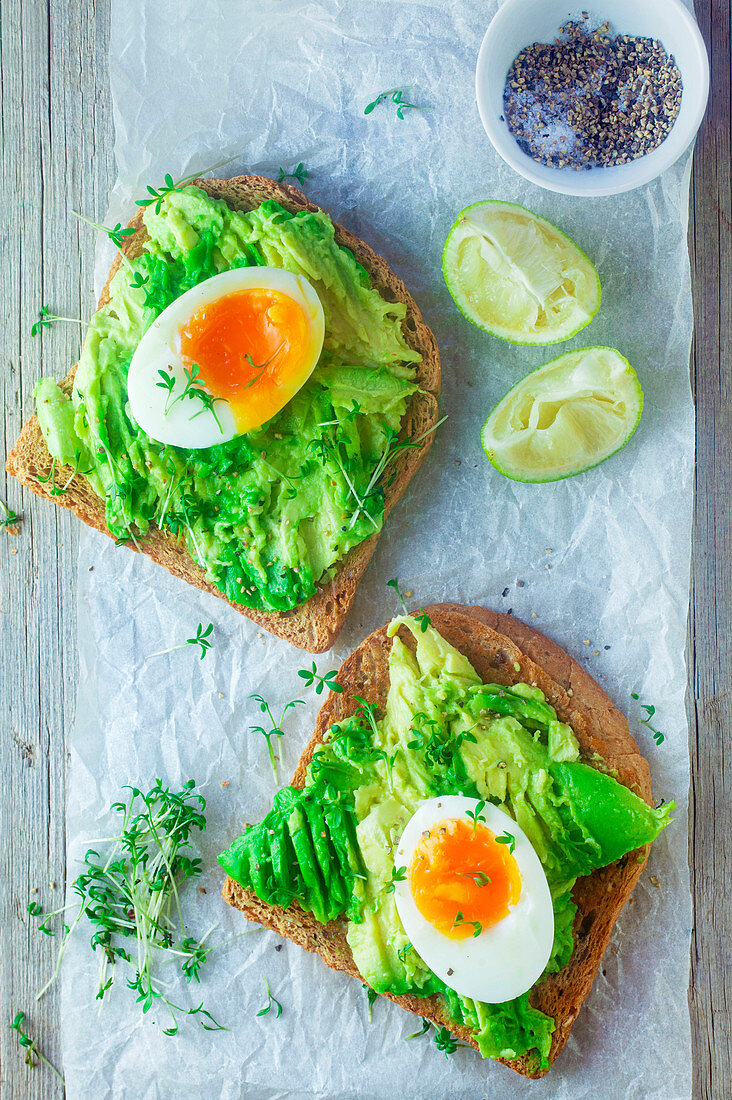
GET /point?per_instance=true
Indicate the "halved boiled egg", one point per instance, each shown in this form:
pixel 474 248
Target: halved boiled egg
pixel 226 356
pixel 474 899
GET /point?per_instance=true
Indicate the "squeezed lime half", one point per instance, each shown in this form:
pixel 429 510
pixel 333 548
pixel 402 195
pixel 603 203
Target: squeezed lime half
pixel 517 276
pixel 565 417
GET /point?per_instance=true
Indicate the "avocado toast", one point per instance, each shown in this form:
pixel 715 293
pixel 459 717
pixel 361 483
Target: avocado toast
pixel 474 652
pixel 288 546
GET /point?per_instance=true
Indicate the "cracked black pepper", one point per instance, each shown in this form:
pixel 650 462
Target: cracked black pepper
pixel 591 99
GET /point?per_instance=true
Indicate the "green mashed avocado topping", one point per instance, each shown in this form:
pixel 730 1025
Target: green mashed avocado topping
pixel 330 847
pixel 269 514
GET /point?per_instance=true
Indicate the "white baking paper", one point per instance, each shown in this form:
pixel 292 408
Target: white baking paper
pixel 600 562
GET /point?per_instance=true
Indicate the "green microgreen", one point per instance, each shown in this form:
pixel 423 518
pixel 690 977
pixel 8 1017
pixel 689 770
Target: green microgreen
pixel 404 951
pixel 426 1025
pixel 476 815
pixel 423 619
pixel 300 174
pixel 371 996
pixel 417 742
pixel 275 729
pixel 189 506
pixel 507 838
pixel 445 1042
pixel 291 491
pixel 439 749
pixel 56 490
pixel 167 383
pixel 116 233
pixel 139 281
pixel 260 368
pixel 46 319
pixel 200 638
pixel 465 735
pixel 480 878
pixel 194 956
pixel 198 1011
pixel 157 194
pixel 133 894
pixel 422 723
pixel 396 95
pixel 394 583
pixel 367 713
pixel 391 452
pixel 10 518
pixel 421 616
pixel 33 1055
pixel 35 910
pixel 194 390
pixel 336 452
pixel 208 401
pixel 272 1002
pixel 311 676
pixel 398 874
pixel 389 761
pixel 650 710
pixel 460 920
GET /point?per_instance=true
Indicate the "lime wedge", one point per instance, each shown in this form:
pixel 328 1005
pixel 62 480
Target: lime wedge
pixel 565 417
pixel 517 276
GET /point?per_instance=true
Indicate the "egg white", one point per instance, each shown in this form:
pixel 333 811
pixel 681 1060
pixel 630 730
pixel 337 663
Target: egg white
pixel 505 960
pixel 187 423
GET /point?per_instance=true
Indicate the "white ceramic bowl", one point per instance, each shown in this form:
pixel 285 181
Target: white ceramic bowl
pixel 519 23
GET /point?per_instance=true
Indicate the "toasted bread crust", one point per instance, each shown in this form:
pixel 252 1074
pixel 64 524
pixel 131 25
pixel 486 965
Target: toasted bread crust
pixel 494 644
pixel 314 625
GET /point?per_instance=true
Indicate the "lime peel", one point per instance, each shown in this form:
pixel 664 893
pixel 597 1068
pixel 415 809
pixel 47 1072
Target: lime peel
pixel 565 417
pixel 516 275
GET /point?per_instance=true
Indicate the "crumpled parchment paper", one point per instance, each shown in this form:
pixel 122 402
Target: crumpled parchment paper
pixel 600 562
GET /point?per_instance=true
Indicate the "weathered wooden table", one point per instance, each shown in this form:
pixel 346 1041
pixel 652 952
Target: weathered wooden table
pixel 55 144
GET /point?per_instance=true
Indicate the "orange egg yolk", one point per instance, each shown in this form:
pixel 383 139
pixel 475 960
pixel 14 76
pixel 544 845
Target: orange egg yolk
pixel 460 877
pixel 251 348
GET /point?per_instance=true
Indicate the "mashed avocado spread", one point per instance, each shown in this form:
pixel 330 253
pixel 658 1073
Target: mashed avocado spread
pixel 330 846
pixel 269 514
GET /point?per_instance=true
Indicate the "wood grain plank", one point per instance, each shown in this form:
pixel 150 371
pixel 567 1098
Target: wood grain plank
pixel 55 151
pixel 710 621
pixel 56 143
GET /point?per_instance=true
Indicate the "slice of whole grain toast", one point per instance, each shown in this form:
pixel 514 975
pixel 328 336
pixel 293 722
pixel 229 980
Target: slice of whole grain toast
pixel 502 650
pixel 315 624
